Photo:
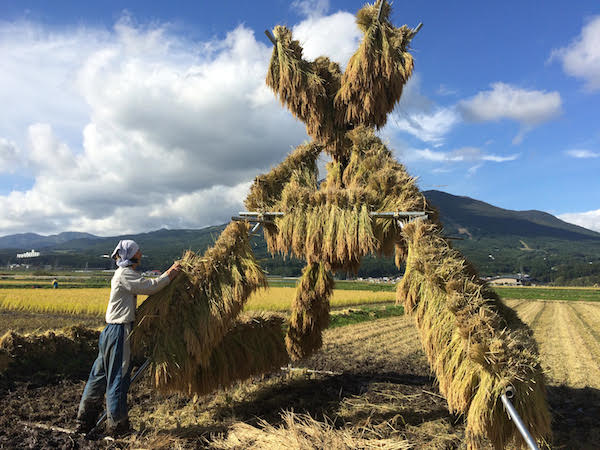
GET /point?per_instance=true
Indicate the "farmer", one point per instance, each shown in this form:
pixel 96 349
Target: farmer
pixel 111 371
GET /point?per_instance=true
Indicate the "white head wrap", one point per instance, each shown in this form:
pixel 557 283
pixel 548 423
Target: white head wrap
pixel 125 249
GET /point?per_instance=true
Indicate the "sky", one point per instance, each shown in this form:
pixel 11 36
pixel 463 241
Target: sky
pixel 127 117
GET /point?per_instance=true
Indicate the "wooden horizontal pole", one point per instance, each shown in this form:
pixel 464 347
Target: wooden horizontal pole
pixel 271 37
pixel 376 214
pixel 252 220
pixel 383 214
pixel 258 213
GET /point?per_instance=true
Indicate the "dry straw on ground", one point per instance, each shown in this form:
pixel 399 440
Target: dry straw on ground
pixel 300 432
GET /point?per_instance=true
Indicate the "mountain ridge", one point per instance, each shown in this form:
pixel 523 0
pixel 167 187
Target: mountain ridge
pixel 495 240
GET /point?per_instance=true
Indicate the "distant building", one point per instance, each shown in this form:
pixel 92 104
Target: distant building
pixel 31 254
pixel 510 280
pixel 152 273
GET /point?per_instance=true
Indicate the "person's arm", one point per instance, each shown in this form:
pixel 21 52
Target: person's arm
pixel 148 286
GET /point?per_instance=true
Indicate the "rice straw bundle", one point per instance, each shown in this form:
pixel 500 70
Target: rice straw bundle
pixel 266 189
pixel 255 345
pixel 373 81
pixel 306 88
pixel 60 352
pixel 310 311
pixel 475 345
pixel 181 325
pixel 331 222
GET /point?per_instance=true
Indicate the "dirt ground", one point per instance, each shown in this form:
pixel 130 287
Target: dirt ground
pixel 371 378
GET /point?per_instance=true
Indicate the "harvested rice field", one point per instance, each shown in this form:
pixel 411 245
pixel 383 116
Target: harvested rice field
pixel 369 387
pixel 568 334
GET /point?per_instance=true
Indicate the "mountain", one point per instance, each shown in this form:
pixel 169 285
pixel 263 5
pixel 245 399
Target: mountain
pixel 32 240
pixel 501 241
pixel 474 218
pixel 496 240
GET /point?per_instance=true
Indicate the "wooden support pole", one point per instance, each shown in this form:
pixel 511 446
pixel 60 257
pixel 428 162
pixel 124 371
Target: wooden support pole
pixel 271 37
pixel 380 9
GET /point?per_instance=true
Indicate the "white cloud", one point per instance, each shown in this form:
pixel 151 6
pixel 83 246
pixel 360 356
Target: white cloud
pixel 473 169
pixel 47 154
pixel 589 220
pixel 503 101
pixel 136 128
pixel 582 153
pixel 311 8
pixel 37 80
pixel 10 156
pixel 446 91
pixel 581 58
pixel 419 116
pixel 464 154
pixel 316 38
pixel 428 127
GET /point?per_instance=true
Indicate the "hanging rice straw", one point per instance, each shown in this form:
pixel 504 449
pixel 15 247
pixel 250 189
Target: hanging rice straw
pixel 254 346
pixel 310 311
pixel 475 345
pixel 181 325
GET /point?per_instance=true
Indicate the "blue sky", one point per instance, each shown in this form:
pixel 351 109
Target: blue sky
pixel 131 116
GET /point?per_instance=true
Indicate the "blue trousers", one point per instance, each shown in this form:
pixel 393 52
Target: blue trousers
pixel 110 375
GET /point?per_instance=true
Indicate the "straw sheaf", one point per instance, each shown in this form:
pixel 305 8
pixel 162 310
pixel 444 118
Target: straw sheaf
pixel 331 222
pixel 310 311
pixel 212 291
pixel 475 345
pixel 306 88
pixel 255 345
pixel 375 76
pixel 266 189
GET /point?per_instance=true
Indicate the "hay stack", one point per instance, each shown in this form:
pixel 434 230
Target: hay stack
pixel 329 225
pixel 475 345
pixel 181 325
pixel 254 346
pixel 66 352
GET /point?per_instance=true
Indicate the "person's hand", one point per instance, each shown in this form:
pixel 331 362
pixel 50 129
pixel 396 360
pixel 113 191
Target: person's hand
pixel 174 271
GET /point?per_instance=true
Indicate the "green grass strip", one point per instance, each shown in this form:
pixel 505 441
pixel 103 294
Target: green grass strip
pixel 353 316
pixel 542 293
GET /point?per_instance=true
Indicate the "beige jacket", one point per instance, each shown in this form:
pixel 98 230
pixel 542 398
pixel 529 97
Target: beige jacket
pixel 125 285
